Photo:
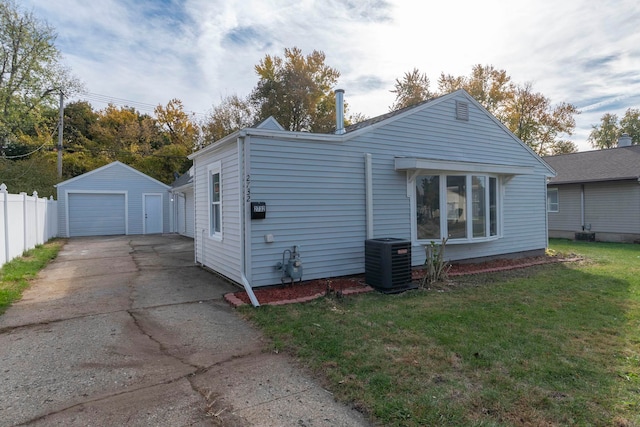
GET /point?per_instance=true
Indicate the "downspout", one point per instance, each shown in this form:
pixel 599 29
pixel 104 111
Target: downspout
pixel 245 238
pixel 369 194
pixel 546 211
pixel 582 206
pixel 195 226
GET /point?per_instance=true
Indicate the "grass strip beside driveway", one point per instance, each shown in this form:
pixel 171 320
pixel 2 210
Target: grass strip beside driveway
pixel 16 274
pixel 549 345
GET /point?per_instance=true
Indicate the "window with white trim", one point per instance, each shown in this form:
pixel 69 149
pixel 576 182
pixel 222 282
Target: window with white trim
pixel 460 207
pixel 552 200
pixel 215 200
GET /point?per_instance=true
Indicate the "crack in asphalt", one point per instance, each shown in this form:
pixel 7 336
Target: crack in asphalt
pixel 6 329
pixel 101 398
pixel 211 405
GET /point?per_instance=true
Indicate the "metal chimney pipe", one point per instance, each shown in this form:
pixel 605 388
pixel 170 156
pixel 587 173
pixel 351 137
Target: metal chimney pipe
pixel 339 111
pixel 624 140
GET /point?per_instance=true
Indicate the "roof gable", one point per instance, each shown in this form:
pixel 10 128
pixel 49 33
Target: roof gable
pixel 270 123
pixel 386 119
pixel 598 165
pixel 108 166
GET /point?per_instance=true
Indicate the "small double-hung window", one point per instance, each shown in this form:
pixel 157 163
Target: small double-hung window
pixel 215 200
pixel 552 200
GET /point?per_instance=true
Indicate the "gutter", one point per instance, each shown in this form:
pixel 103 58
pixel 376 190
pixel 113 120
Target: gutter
pixel 243 166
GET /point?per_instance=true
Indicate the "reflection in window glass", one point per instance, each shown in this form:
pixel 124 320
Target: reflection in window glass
pixel 457 206
pixel 428 207
pixel 478 186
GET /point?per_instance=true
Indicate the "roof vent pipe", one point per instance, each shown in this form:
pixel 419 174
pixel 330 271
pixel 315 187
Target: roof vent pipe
pixel 340 111
pixel 624 140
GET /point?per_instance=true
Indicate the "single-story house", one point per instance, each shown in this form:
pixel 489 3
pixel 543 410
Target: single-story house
pixel 596 194
pixel 111 200
pixel 183 204
pixel 445 168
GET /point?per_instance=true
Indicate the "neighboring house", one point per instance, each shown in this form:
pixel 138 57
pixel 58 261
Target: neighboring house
pixel 596 192
pixel 111 200
pixel 183 204
pixel 442 168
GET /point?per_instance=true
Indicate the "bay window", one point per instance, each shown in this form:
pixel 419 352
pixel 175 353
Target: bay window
pixel 462 207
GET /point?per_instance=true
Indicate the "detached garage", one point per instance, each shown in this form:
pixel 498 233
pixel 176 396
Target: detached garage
pixel 113 200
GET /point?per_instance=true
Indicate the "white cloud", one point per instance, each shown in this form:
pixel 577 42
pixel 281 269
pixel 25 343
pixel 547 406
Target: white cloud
pixel 578 51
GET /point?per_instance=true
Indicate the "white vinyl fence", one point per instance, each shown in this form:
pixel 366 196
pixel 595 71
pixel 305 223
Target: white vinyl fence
pixel 25 221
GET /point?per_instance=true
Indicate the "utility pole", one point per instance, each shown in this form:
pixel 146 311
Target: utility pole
pixel 60 127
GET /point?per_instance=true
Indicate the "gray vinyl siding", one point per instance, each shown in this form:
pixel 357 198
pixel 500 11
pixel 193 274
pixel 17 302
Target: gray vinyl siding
pixel 315 191
pixel 569 216
pixel 116 178
pixel 222 255
pixel 609 207
pixel 314 194
pixel 613 207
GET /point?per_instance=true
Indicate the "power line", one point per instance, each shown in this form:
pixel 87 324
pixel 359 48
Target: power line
pixel 122 102
pixel 37 149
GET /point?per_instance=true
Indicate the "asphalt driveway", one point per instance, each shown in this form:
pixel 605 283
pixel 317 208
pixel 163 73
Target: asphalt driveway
pixel 128 331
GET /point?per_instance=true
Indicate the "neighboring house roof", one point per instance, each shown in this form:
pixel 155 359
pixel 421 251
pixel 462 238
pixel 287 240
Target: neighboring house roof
pixel 611 164
pixel 111 165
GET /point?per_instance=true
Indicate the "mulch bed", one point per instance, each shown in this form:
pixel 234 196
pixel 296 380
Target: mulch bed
pixel 311 289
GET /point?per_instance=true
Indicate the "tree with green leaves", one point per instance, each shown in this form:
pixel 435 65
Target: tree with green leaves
pixel 606 134
pixel 528 114
pixel 179 126
pixel 297 90
pixel 489 86
pixel 232 114
pixel 532 118
pixel 31 77
pixel 412 89
pixel 630 124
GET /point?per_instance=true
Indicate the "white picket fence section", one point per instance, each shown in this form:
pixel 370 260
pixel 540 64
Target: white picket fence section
pixel 25 221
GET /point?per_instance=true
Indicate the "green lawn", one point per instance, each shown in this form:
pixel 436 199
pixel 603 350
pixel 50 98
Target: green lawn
pixel 15 275
pixel 550 345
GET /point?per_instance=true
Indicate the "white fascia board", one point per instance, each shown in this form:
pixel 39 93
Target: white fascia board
pixel 182 188
pixel 295 136
pixel 110 165
pixel 414 163
pixel 232 137
pixel 268 133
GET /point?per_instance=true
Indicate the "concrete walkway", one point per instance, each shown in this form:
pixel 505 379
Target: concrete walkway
pixel 128 331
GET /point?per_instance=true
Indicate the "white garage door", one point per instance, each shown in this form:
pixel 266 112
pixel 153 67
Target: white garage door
pixel 96 214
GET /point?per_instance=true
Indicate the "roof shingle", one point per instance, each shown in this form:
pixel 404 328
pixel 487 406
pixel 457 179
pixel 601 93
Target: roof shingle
pixel 600 165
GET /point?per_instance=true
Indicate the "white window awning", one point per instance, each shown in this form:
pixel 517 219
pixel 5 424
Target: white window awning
pixel 447 166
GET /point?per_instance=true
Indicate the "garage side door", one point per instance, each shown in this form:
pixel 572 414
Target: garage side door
pixel 96 214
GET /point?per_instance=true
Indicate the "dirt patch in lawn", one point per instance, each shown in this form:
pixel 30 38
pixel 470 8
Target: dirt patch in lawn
pixel 311 289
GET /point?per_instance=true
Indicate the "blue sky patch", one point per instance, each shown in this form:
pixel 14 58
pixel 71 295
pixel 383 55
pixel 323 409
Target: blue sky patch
pixel 244 36
pixel 599 62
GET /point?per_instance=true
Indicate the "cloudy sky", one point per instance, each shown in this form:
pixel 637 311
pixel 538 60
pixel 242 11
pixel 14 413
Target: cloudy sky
pixel 144 52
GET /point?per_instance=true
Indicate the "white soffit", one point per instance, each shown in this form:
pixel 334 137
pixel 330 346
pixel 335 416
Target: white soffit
pixel 414 163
